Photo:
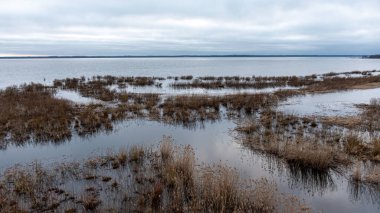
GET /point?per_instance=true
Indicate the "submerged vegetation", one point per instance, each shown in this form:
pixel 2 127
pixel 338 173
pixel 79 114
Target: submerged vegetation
pixel 139 179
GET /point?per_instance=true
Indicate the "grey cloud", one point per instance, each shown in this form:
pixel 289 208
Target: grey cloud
pixel 133 27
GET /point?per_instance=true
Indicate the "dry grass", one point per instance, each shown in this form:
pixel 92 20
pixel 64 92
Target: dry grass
pixel 330 84
pixel 349 122
pixel 376 150
pixel 171 185
pixel 373 177
pixel 31 112
pixel 166 148
pixel 370 116
pixel 323 83
pixel 294 139
pixel 311 156
pixel 136 154
pixel 355 146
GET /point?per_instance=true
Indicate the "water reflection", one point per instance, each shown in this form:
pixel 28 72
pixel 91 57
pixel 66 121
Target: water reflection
pixel 213 144
pixel 312 181
pixel 359 192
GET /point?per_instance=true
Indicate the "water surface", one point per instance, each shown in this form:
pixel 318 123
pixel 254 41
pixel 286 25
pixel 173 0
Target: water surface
pixel 213 143
pixel 17 71
pixel 330 104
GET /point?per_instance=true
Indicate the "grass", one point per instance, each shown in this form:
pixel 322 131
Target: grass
pixel 31 112
pixel 355 146
pixel 372 177
pixel 163 184
pixel 376 150
pixel 322 83
pixel 310 156
pixel 136 154
pixel 295 140
pixel 166 149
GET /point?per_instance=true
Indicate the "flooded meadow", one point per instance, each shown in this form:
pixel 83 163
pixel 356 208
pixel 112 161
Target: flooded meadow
pixel 190 135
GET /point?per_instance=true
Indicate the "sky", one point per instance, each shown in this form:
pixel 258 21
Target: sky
pixel 180 27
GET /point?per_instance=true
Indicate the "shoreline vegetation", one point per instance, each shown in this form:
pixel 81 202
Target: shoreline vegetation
pixel 167 179
pixel 25 109
pixel 140 180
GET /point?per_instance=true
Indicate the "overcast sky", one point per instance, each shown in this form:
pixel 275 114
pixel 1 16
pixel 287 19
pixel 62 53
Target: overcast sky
pixel 162 27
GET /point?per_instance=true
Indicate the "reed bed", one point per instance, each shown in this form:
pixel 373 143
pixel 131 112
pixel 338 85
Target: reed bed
pixel 306 141
pixel 162 180
pixel 313 83
pixel 31 112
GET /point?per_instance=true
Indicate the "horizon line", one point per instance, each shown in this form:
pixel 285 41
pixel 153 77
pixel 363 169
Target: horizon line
pixel 182 56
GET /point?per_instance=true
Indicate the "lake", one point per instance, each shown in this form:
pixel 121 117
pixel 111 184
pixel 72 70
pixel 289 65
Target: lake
pixel 16 71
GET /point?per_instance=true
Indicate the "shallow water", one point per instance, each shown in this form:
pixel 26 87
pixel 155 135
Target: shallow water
pixel 75 97
pixel 166 89
pixel 213 143
pixel 327 104
pixel 17 71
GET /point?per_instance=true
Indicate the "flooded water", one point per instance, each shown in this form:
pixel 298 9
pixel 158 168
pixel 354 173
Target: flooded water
pixel 17 71
pixel 214 142
pixel 166 89
pixel 327 104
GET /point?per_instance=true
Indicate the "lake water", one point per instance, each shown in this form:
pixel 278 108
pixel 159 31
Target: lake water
pixel 329 104
pixel 17 71
pixel 214 142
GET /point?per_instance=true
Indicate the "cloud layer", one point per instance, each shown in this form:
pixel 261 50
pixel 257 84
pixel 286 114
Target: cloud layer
pixel 161 27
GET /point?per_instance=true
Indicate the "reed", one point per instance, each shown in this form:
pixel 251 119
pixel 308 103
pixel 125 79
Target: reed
pixel 155 184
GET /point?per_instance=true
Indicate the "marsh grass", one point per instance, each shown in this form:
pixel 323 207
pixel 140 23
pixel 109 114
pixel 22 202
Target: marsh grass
pixel 311 156
pixel 355 146
pixel 29 121
pixel 373 176
pixel 293 139
pixel 163 184
pixel 313 83
pixel 31 112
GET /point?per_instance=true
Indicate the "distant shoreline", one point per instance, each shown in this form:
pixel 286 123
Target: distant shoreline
pixel 373 56
pixel 187 56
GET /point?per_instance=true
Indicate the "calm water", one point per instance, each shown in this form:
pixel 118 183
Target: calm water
pixel 16 71
pixel 329 104
pixel 213 142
